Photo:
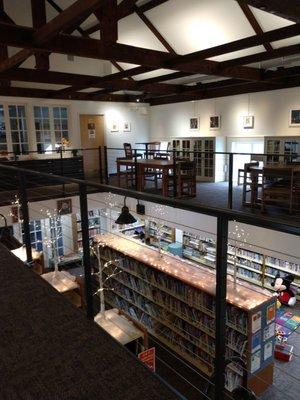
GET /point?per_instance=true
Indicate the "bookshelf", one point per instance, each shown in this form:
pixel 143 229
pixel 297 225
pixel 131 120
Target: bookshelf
pixel 252 266
pixel 174 300
pixel 287 145
pixel 153 230
pixel 94 227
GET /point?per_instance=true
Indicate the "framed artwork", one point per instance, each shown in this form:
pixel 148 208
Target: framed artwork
pixel 295 117
pixel 114 127
pixel 91 130
pixel 16 214
pixel 248 121
pixel 194 123
pixel 126 127
pixel 214 122
pixel 64 206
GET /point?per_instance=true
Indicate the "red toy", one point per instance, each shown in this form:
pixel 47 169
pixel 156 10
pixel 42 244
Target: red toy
pixel 285 294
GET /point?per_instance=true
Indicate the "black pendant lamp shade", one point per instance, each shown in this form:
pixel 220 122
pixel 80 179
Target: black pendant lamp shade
pixel 125 217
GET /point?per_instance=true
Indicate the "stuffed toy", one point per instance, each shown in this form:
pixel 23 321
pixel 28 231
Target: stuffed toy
pixel 284 293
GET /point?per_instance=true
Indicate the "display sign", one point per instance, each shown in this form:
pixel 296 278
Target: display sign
pixel 148 358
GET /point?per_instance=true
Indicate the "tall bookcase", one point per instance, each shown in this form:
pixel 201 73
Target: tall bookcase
pixel 209 167
pixel 94 227
pixel 175 301
pixel 252 266
pixel 166 233
pixel 281 145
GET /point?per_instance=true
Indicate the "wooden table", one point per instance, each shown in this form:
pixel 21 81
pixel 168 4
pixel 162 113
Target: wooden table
pixel 147 144
pixel 66 284
pixel 257 170
pixel 163 165
pixel 119 327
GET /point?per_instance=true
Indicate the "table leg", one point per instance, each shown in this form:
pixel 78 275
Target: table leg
pixel 165 182
pixel 254 188
pixel 119 174
pixel 140 177
pixel 146 153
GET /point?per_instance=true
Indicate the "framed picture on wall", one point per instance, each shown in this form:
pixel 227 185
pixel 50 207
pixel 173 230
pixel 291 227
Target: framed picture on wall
pixel 64 206
pixel 114 127
pixel 248 122
pixel 194 123
pixel 295 117
pixel 214 122
pixel 126 127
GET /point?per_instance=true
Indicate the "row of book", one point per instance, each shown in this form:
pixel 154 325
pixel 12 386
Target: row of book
pixel 196 331
pixel 178 296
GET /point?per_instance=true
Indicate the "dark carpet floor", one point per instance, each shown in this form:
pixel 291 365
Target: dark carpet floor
pixel 50 351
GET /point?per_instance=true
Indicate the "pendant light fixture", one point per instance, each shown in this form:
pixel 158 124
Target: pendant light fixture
pixel 125 217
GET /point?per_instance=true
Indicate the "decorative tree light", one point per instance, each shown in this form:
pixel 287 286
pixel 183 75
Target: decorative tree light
pixel 160 212
pixel 238 237
pixel 116 271
pixel 111 200
pixel 51 241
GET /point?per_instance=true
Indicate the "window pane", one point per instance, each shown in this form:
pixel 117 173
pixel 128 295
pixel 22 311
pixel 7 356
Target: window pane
pixel 21 111
pixel 40 147
pixel 64 124
pixel 1 111
pixel 16 148
pixel 64 112
pixel 2 137
pixel 15 137
pixel 12 111
pixel 56 113
pixel 46 125
pixel 24 148
pixel 45 112
pixel 23 124
pixel 37 112
pixel 56 124
pixel 23 136
pixel 14 124
pixel 3 147
pixel 38 125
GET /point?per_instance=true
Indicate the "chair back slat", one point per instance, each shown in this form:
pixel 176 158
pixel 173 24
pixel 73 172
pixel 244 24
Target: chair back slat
pixel 128 150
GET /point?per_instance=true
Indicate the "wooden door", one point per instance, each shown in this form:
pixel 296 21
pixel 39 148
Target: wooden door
pixel 92 136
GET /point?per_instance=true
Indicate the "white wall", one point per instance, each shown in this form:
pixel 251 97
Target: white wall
pixel 136 114
pixel 270 109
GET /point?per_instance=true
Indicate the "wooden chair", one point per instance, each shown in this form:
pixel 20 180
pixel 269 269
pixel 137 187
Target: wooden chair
pixel 247 181
pixel 129 154
pixel 164 153
pixel 185 179
pixel 277 187
pixel 296 191
pixel 152 149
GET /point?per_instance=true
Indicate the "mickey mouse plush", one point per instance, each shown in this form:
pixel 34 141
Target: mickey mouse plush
pixel 282 285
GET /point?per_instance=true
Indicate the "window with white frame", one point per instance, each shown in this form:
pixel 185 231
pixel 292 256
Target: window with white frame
pixel 42 128
pixel 3 139
pixel 51 126
pixel 18 128
pixel 61 126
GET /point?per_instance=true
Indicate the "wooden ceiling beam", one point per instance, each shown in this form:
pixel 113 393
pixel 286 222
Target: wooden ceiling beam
pixel 107 16
pixel 288 9
pixel 263 56
pixel 49 94
pixel 236 89
pixel 241 44
pixel 60 10
pixel 122 13
pixel 49 30
pixel 92 48
pixel 3 47
pixel 38 11
pixel 155 32
pixel 253 22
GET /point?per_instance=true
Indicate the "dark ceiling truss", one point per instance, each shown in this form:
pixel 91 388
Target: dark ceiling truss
pixel 253 22
pixel 288 9
pixel 45 38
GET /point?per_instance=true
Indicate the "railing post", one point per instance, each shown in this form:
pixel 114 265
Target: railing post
pixel 136 171
pixel 86 250
pixel 220 313
pixel 62 168
pixel 230 183
pixel 25 215
pixel 106 165
pixel 174 175
pixel 100 164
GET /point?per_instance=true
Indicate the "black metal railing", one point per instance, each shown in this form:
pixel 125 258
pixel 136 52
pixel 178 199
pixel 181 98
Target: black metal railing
pixel 223 218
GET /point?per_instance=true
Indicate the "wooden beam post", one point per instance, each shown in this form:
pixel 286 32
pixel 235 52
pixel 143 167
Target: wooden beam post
pixel 38 11
pixel 107 16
